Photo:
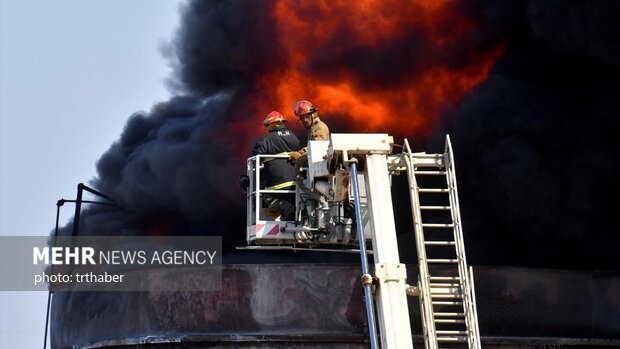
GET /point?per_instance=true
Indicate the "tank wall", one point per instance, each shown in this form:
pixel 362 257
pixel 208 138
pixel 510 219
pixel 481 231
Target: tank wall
pixel 321 305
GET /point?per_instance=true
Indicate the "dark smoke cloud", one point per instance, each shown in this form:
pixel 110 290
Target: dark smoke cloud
pixel 535 143
pixel 224 45
pixel 167 172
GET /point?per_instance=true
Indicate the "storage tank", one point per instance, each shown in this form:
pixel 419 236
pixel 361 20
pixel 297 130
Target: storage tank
pixel 321 306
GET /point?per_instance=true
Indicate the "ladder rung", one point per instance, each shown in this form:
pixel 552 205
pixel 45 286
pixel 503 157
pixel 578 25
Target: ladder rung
pixel 433 163
pixel 444 285
pixel 448 291
pixel 433 190
pixel 444 278
pixel 448 314
pixel 440 243
pixel 447 303
pixel 445 296
pixel 442 260
pixel 449 321
pixel 437 225
pixel 435 208
pixel 450 332
pixel 425 155
pixel 430 173
pixel 452 339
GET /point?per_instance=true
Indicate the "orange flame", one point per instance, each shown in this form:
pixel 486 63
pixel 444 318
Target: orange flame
pixel 310 30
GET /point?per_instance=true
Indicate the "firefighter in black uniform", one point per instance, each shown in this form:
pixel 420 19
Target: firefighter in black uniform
pixel 278 173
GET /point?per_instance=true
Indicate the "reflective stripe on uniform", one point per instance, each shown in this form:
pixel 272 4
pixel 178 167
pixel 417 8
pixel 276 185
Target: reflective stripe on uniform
pixel 282 153
pixel 281 185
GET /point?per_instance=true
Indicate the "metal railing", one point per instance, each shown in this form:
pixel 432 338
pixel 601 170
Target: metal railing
pixel 255 193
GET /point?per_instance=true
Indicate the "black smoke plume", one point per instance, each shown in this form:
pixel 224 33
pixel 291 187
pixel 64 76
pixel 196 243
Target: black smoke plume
pixel 536 153
pixel 535 143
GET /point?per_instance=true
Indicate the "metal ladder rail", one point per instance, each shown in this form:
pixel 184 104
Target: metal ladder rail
pixel 476 327
pixel 469 306
pixel 428 322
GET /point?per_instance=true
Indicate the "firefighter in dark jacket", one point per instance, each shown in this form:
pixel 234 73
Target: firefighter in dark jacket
pixel 278 173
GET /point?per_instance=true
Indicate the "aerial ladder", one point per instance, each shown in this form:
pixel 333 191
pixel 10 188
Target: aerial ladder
pixel 445 283
pixel 353 174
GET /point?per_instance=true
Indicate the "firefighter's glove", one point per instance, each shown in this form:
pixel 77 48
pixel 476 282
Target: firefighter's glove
pixel 244 183
pixel 294 155
pixel 271 213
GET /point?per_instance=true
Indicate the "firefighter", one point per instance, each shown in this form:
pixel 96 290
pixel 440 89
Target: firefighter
pixel 278 173
pixel 317 131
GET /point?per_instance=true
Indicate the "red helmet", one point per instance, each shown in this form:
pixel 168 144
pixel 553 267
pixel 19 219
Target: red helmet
pixel 273 117
pixel 303 107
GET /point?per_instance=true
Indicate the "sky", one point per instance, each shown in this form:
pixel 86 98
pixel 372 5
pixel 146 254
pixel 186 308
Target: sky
pixel 71 73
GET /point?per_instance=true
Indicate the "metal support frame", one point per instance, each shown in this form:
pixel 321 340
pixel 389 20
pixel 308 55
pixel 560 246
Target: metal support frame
pixel 392 308
pixel 59 203
pixel 76 223
pixel 445 286
pixel 78 204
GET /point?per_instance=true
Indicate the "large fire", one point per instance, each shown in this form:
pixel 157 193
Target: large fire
pixel 382 66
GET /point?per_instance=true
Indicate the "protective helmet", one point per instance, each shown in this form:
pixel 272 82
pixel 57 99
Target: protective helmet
pixel 273 117
pixel 303 107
